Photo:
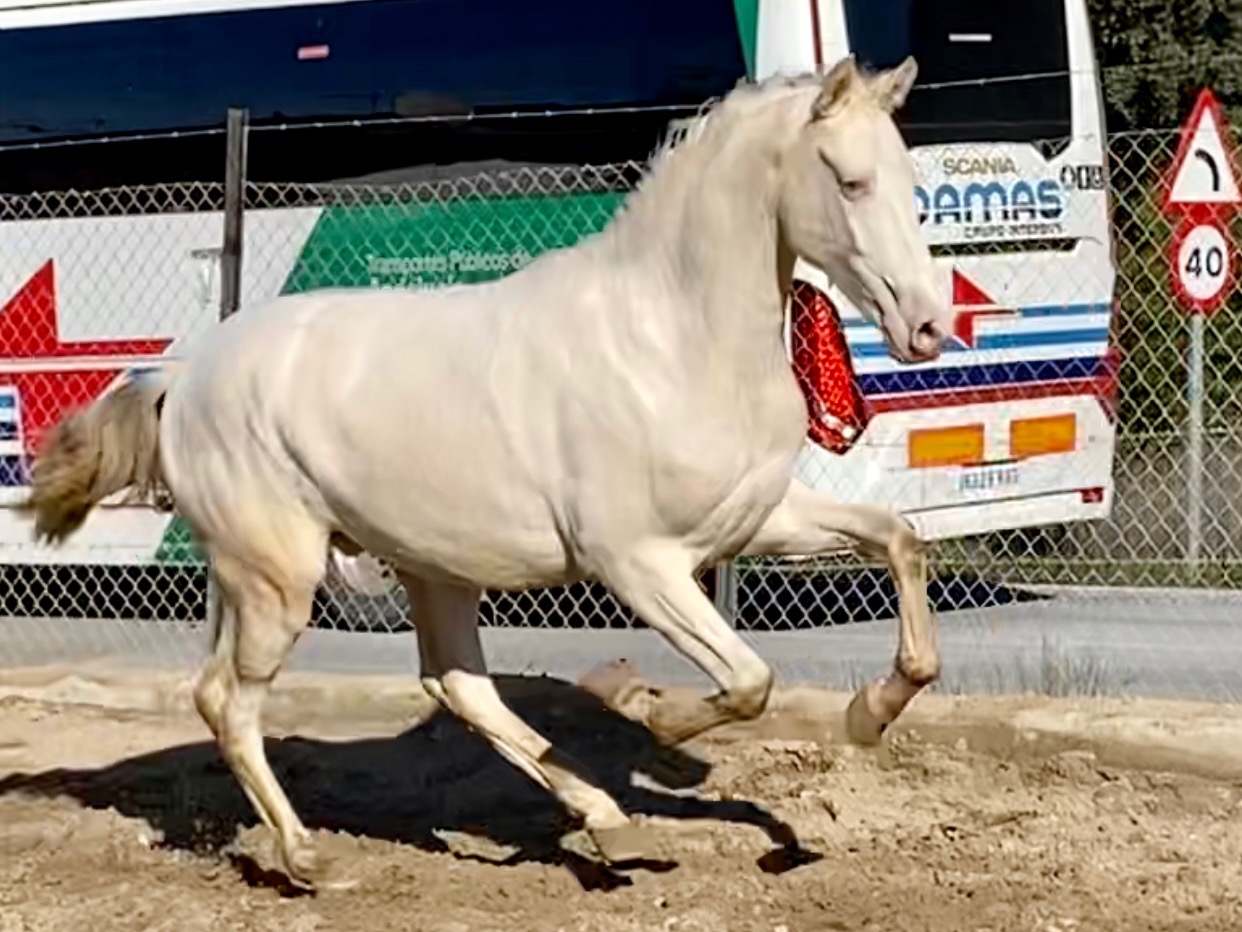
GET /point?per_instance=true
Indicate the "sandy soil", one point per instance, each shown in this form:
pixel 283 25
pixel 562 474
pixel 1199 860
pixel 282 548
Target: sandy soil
pixel 976 814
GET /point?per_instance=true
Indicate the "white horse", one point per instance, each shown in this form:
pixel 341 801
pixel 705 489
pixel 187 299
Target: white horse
pixel 623 410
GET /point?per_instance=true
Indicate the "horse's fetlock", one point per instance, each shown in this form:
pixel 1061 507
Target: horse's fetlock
pixel 748 696
pixel 918 669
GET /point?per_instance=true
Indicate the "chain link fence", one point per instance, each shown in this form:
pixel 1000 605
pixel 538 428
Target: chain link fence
pixel 95 284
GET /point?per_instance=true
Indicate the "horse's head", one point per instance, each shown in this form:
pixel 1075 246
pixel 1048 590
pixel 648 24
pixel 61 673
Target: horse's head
pixel 847 206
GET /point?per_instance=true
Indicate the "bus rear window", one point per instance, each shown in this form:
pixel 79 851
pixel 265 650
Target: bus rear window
pixel 1008 63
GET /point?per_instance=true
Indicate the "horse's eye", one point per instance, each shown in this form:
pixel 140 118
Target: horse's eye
pixel 853 188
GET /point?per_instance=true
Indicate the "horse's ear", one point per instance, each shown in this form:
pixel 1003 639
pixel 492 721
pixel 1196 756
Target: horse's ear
pixel 837 86
pixel 891 87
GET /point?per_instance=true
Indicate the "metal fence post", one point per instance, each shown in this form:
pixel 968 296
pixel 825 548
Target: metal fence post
pixel 725 595
pixel 236 127
pixel 234 210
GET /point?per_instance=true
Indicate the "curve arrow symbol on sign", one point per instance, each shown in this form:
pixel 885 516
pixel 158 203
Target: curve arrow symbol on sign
pixel 1206 157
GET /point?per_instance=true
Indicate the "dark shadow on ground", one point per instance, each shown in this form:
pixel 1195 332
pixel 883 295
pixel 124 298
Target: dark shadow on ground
pixel 437 775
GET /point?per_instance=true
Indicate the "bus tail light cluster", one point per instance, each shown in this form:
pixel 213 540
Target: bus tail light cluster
pixel 965 444
pixel 1041 436
pixel 937 447
pixel 825 371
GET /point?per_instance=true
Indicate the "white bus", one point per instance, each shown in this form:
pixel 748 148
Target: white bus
pixel 1011 428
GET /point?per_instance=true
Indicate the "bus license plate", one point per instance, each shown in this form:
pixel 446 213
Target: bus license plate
pixel 980 480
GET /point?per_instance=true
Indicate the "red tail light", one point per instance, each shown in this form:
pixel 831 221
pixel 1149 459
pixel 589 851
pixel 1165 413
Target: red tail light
pixel 825 371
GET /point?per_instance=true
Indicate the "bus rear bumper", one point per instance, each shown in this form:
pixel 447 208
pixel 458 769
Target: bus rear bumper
pixel 962 520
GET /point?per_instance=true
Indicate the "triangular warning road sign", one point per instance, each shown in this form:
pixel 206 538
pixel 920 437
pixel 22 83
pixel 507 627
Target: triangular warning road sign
pixel 1203 170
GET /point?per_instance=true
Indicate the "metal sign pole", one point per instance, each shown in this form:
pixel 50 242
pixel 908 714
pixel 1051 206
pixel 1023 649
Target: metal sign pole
pixel 1194 443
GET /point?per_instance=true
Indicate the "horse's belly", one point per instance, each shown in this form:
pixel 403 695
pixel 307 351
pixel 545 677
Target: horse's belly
pixel 483 550
pixel 437 503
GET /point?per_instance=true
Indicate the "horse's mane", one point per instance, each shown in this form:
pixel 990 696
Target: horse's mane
pixel 687 145
pixel 720 111
pixel 717 116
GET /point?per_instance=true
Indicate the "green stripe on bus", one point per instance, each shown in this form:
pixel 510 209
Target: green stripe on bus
pixel 747 13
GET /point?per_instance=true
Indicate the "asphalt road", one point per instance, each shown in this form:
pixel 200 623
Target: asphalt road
pixel 1156 643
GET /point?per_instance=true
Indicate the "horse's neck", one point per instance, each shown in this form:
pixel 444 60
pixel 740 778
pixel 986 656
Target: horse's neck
pixel 711 237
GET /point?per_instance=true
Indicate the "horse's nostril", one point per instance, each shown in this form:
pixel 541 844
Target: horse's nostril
pixel 926 337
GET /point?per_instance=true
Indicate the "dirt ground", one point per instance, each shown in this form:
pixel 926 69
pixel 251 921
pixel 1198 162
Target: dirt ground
pixel 976 814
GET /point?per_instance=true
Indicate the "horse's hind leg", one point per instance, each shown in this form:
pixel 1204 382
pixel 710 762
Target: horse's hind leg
pixel 454 672
pixel 807 523
pixel 259 621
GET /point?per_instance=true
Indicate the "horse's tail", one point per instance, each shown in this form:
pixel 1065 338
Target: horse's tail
pixel 96 451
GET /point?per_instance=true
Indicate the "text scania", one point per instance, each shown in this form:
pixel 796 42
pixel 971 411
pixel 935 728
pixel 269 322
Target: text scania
pixel 979 165
pixel 986 208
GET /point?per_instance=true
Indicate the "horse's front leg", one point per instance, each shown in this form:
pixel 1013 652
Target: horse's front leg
pixel 657 582
pixel 809 523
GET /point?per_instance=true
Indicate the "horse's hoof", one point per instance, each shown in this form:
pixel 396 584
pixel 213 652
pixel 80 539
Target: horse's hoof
pixel 862 726
pixel 309 867
pixel 627 843
pixel 620 688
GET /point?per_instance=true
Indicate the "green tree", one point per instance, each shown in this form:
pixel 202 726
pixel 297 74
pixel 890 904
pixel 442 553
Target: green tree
pixel 1156 54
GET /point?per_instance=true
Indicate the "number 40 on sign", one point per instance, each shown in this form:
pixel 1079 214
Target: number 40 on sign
pixel 1204 266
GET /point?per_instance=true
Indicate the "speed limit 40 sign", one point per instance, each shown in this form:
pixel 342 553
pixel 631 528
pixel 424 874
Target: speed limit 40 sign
pixel 1203 266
